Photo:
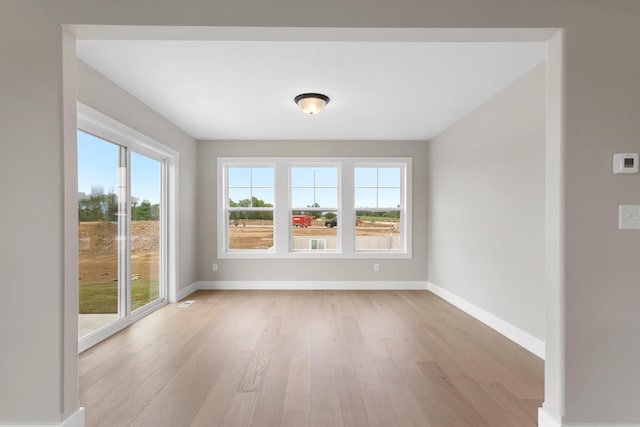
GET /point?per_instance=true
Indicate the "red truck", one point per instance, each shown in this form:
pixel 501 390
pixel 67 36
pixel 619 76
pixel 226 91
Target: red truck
pixel 301 220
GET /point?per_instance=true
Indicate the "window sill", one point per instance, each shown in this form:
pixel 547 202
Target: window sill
pixel 333 255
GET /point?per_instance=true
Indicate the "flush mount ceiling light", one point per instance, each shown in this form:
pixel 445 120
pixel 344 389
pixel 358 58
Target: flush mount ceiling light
pixel 311 103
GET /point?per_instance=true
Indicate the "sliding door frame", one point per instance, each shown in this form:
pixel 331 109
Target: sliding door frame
pixel 129 140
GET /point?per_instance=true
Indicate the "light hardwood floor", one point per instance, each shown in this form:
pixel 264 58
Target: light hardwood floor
pixel 310 358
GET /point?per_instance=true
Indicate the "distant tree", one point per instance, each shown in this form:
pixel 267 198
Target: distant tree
pixel 146 211
pixel 254 202
pixel 154 212
pixel 98 207
pixel 141 212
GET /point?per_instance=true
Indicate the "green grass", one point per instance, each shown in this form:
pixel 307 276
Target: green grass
pixel 101 298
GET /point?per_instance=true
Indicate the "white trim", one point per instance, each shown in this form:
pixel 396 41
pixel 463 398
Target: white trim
pixel 93 121
pixel 74 420
pixel 185 292
pixel 70 236
pixel 593 425
pixel 515 334
pixel 310 285
pixel 546 420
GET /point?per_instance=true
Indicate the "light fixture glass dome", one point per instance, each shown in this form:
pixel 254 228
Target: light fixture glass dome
pixel 311 103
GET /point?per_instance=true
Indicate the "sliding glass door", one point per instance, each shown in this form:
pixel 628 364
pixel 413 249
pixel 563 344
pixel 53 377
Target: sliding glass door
pixel 121 214
pixel 100 223
pixel 146 220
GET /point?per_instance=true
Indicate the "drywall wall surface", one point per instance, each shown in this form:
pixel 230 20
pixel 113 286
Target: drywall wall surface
pixel 602 265
pixel 599 109
pixel 103 95
pixel 413 269
pixel 486 205
pixel 31 216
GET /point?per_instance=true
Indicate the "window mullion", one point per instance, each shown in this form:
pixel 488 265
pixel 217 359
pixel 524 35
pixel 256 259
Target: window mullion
pixel 346 214
pixel 124 225
pixel 282 212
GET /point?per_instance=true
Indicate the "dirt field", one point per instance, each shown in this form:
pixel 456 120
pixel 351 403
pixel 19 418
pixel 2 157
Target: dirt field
pixel 99 251
pixel 258 234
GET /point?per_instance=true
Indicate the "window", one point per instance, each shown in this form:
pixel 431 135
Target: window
pixel 314 207
pixel 250 203
pixel 378 204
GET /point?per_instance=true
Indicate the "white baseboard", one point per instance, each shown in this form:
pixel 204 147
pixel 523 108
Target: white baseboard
pixel 186 291
pixel 546 420
pixel 75 420
pixel 515 334
pixel 311 285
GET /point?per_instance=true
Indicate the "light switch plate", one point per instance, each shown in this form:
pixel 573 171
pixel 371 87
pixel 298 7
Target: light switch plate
pixel 629 217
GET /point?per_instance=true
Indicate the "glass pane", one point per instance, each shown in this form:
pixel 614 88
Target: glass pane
pixel 263 197
pixel 327 197
pixel 314 230
pixel 366 177
pixel 327 177
pixel 262 177
pixel 250 230
pixel 377 230
pixel 389 177
pixel 389 198
pixel 366 198
pixel 302 197
pixel 302 177
pixel 239 197
pixel 239 177
pixel 98 204
pixel 145 230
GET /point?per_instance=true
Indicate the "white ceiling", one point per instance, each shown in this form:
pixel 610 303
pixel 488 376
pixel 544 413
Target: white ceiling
pixel 245 89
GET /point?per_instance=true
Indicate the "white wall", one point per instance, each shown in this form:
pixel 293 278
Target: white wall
pixel 486 205
pixel 593 375
pixel 105 96
pixel 414 269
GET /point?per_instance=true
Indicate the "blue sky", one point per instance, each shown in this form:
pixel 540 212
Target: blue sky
pixel 98 167
pixel 311 185
pixel 247 182
pixel 375 187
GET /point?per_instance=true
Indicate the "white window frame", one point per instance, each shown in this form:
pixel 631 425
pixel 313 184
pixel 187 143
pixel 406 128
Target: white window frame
pixel 345 210
pixel 338 208
pixel 403 209
pixel 224 209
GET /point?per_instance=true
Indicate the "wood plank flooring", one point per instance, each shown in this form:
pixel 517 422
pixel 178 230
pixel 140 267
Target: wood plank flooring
pixel 310 358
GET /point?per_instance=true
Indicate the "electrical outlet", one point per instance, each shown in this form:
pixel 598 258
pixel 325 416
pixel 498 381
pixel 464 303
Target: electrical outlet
pixel 629 217
pixel 376 267
pixel 215 267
